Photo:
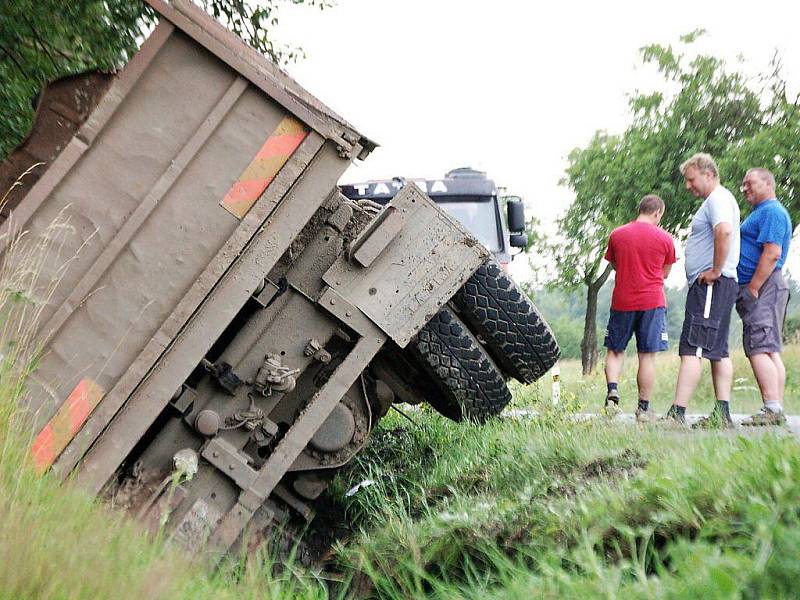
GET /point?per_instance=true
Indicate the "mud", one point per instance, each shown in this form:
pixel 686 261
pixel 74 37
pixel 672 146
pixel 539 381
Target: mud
pixel 615 466
pixel 132 491
pixel 363 213
pixel 61 108
pixel 299 243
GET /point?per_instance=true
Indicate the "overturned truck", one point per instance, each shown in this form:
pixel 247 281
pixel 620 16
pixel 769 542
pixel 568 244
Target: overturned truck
pixel 222 327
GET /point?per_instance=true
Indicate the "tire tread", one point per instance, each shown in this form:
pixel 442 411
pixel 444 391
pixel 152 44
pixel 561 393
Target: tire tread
pixel 516 336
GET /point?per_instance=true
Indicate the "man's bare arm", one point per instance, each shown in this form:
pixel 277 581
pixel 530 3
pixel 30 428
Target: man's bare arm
pixel 770 253
pixel 722 244
pixel 665 271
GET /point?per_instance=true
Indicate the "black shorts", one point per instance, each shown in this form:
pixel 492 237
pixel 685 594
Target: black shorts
pixel 707 320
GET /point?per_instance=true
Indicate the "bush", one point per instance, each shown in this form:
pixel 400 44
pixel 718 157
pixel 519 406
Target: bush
pixel 791 330
pixel 569 333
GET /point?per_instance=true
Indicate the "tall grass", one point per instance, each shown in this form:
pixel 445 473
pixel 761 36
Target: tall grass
pixel 565 509
pixel 55 541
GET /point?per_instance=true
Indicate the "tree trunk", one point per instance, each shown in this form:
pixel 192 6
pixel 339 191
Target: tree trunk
pixel 589 353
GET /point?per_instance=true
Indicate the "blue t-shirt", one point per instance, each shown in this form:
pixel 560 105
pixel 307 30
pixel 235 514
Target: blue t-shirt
pixel 768 223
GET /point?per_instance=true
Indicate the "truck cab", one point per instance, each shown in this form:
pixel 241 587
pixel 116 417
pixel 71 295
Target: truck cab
pixel 469 196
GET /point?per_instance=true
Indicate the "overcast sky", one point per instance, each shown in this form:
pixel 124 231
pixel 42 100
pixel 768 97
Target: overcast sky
pixel 508 87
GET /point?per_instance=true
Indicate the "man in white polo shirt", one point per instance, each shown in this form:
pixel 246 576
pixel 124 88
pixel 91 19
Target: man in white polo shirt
pixel 712 253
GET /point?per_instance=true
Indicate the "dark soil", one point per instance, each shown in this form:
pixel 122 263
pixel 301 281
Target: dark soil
pixel 61 109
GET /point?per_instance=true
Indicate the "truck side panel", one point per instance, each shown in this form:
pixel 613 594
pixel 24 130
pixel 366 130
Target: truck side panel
pixel 104 323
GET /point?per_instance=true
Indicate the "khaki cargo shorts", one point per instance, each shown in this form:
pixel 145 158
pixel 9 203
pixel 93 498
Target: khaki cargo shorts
pixel 762 317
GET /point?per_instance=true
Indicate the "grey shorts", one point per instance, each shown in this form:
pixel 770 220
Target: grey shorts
pixel 763 317
pixel 707 321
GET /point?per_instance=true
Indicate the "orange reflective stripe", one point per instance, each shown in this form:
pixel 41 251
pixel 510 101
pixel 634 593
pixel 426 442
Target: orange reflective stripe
pixel 243 191
pixel 282 144
pixel 270 158
pixel 67 421
pixel 43 454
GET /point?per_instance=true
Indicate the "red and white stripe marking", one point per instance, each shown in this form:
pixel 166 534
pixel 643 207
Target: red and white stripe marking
pixel 275 152
pixel 67 421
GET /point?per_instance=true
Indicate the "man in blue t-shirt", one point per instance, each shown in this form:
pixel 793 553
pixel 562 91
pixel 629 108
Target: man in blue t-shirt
pixel 763 293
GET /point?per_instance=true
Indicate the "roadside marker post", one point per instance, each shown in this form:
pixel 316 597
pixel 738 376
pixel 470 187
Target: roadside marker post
pixel 556 385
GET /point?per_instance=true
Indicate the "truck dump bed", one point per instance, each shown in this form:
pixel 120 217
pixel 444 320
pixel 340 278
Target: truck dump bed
pixel 206 293
pixel 165 186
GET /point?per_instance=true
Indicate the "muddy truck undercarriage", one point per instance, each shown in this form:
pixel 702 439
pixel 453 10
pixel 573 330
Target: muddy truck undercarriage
pixel 222 328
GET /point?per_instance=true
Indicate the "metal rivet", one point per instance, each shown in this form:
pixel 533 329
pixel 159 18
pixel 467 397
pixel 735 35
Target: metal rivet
pixel 231 467
pixel 215 454
pixel 333 301
pixel 348 314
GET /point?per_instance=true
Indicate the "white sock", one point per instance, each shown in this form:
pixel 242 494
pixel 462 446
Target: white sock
pixel 773 406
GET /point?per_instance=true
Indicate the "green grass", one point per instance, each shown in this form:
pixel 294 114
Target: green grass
pixel 587 393
pixel 555 508
pixel 517 508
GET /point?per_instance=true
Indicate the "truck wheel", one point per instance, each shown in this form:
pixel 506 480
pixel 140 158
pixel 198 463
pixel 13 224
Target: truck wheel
pixel 468 383
pixel 515 334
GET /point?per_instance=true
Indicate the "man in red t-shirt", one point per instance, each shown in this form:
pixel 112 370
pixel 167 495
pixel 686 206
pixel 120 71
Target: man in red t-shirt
pixel 642 254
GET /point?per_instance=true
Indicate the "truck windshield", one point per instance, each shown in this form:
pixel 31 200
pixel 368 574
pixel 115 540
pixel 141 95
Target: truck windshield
pixel 478 214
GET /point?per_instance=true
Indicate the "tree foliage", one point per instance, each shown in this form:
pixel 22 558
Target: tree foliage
pixel 42 40
pixel 703 106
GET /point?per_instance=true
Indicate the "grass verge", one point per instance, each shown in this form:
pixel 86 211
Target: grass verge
pixel 562 509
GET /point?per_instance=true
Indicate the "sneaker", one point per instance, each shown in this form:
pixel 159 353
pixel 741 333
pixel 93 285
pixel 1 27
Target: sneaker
pixel 646 416
pixel 765 417
pixel 716 420
pixel 611 406
pixel 673 417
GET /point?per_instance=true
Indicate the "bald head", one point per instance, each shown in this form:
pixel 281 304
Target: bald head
pixel 765 174
pixel 758 185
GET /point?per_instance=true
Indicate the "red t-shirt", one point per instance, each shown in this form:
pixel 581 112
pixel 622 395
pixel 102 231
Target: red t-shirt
pixel 639 252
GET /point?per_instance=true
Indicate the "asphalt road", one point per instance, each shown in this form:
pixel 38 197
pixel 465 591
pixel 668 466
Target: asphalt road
pixel 792 421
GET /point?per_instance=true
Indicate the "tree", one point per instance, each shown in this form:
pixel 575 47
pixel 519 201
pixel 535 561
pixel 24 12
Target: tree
pixel 742 121
pixel 776 145
pixel 42 40
pixel 584 228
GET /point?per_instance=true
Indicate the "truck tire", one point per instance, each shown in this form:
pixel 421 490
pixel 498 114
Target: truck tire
pixel 503 317
pixel 469 384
